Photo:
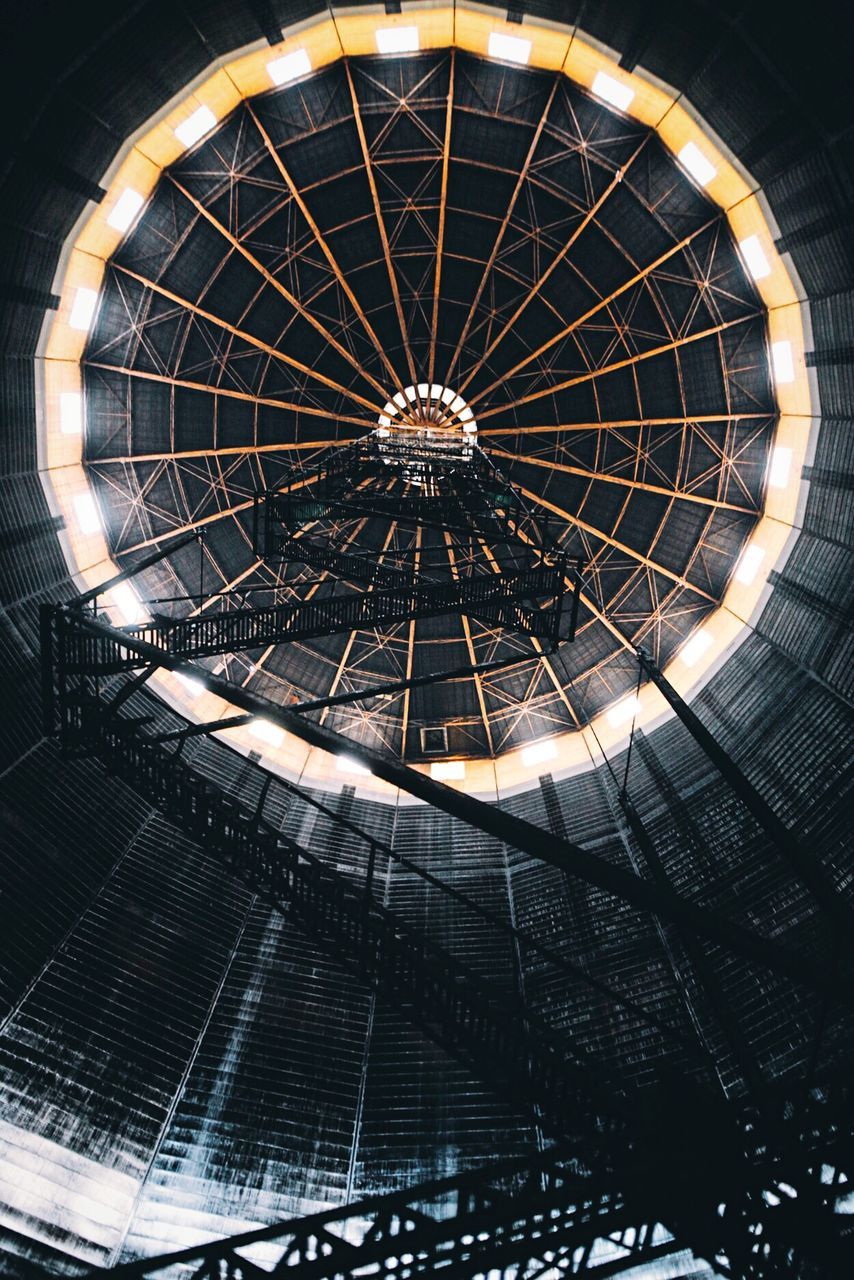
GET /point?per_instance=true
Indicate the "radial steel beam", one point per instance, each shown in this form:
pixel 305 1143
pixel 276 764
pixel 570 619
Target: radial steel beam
pixel 505 222
pixel 276 284
pixel 292 406
pixel 615 424
pixel 244 336
pixel 673 345
pixel 443 204
pixel 806 867
pixel 640 275
pixel 324 246
pixel 626 482
pixel 607 538
pixel 372 183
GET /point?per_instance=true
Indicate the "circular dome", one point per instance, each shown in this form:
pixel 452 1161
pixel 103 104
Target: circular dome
pixel 448 237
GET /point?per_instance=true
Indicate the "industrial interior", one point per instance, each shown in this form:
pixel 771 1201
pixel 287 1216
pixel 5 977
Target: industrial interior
pixel 425 759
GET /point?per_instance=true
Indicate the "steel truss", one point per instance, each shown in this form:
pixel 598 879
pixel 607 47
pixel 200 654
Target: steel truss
pixel 500 600
pixel 522 1218
pixel 635 1151
pixel 464 494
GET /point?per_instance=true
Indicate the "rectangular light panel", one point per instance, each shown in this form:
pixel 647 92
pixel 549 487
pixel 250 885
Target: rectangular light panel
pixel 88 517
pixel 192 685
pixel 692 652
pixel 509 48
pixel 539 752
pixel 754 256
pixel 267 732
pixel 779 467
pixel 195 126
pixel 128 604
pixel 71 413
pixel 610 90
pixel 783 362
pixel 623 711
pixel 700 169
pixel 125 209
pixel 397 39
pixel 348 764
pixel 448 770
pixel 83 309
pixel 289 66
pixel 748 564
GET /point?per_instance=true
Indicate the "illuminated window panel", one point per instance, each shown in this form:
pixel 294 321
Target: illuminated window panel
pixel 125 209
pixel 195 126
pixel 748 564
pixel 266 731
pixel 71 413
pixel 700 168
pixel 623 711
pixel 540 752
pixel 509 48
pixel 613 91
pixel 754 256
pixel 83 310
pixel 783 362
pixel 128 604
pixel 697 646
pixel 448 770
pixel 397 39
pixel 348 764
pixel 779 467
pixel 87 514
pixel 289 67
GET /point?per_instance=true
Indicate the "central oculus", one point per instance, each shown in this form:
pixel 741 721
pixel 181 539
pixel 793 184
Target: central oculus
pixel 423 425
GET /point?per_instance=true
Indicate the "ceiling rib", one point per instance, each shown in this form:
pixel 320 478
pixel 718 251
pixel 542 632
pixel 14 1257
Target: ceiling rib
pixel 249 338
pixel 639 276
pixel 290 405
pixel 443 203
pixel 325 249
pixel 289 297
pixel 614 423
pixel 372 183
pixel 627 482
pixel 628 362
pixel 590 529
pixel 505 222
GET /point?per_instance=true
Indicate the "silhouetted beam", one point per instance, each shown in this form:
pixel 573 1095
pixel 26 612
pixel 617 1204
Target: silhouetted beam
pixel 412 682
pixel 145 563
pixel 198 730
pixel 507 827
pixel 806 867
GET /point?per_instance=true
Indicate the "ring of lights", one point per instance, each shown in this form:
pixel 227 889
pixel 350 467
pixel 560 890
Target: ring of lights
pixel 133 177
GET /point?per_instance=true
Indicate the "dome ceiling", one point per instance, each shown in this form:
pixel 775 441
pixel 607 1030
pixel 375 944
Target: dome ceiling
pixel 493 229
